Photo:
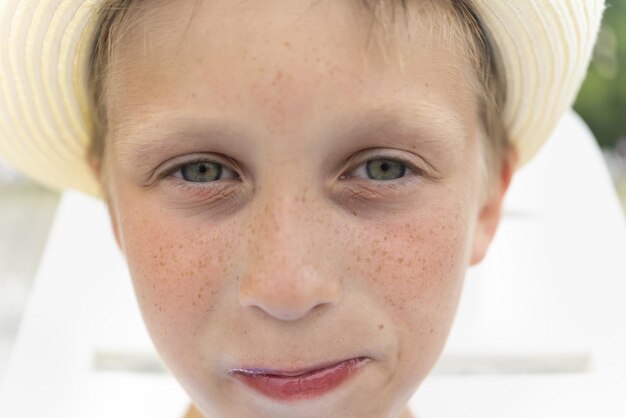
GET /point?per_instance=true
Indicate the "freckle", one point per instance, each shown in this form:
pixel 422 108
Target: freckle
pixel 381 326
pixel 353 212
pixel 279 75
pixel 432 330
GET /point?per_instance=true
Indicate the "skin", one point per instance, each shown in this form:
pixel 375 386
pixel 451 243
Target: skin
pixel 295 257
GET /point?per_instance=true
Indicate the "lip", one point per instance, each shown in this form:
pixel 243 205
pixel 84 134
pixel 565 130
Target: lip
pixel 299 384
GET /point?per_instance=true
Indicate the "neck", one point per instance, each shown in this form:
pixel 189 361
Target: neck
pixel 406 414
pixel 192 412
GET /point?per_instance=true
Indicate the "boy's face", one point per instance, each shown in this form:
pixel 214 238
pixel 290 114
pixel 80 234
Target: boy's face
pixel 346 212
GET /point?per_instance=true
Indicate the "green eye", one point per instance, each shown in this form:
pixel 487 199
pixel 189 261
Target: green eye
pixel 384 169
pixel 201 172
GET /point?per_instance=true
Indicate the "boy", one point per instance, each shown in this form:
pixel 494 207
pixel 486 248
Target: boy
pixel 299 186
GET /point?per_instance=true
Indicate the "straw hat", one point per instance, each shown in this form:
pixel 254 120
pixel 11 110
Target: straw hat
pixel 542 48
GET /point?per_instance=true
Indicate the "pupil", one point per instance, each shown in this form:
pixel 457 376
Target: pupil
pixel 202 169
pixel 384 166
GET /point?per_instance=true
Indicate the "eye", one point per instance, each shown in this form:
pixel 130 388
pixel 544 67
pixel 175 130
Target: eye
pixel 202 171
pixel 382 169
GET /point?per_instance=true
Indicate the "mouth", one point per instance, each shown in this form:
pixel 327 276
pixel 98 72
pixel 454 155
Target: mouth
pixel 290 385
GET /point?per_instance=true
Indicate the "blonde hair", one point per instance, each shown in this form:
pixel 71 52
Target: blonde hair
pixel 460 24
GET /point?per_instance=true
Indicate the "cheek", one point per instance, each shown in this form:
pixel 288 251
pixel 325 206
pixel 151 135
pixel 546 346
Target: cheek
pixel 177 272
pixel 415 269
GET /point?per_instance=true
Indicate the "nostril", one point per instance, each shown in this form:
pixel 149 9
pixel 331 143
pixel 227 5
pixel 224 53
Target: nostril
pixel 282 314
pixel 288 299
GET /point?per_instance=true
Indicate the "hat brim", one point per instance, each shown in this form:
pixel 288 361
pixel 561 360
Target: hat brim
pixel 542 49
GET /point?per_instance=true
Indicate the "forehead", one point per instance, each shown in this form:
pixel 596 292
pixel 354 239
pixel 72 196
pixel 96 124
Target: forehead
pixel 286 64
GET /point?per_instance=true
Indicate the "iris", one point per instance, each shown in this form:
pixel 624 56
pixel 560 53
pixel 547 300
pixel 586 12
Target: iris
pixel 382 169
pixel 201 172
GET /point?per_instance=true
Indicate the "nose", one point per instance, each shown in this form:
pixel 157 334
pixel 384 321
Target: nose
pixel 286 274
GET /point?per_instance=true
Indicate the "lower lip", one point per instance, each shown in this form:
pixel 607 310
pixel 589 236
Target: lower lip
pixel 308 385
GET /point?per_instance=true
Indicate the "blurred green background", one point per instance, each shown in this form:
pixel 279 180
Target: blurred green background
pixel 602 98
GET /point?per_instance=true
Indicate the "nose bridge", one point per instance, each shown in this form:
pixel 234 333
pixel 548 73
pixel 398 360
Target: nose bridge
pixel 277 230
pixel 283 275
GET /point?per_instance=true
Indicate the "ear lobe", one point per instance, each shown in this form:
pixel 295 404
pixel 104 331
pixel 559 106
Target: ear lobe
pixel 489 215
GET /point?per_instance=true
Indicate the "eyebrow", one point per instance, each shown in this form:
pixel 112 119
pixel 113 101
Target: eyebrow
pixel 419 123
pixel 155 134
pixel 430 121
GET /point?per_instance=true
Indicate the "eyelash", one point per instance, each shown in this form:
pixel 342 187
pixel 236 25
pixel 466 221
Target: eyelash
pixel 411 170
pixel 188 186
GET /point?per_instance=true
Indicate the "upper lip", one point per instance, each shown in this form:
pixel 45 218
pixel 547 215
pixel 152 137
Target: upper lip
pixel 262 371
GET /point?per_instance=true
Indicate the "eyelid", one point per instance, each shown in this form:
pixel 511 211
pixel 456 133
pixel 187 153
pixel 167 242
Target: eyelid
pixel 412 168
pixel 174 167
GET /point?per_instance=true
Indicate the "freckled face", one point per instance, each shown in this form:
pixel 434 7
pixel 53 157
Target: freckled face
pixel 286 198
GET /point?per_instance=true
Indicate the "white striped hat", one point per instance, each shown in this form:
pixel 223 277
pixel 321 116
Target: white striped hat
pixel 542 49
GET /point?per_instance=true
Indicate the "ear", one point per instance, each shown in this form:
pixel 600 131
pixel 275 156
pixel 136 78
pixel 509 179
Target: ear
pixel 96 167
pixel 114 224
pixel 490 211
